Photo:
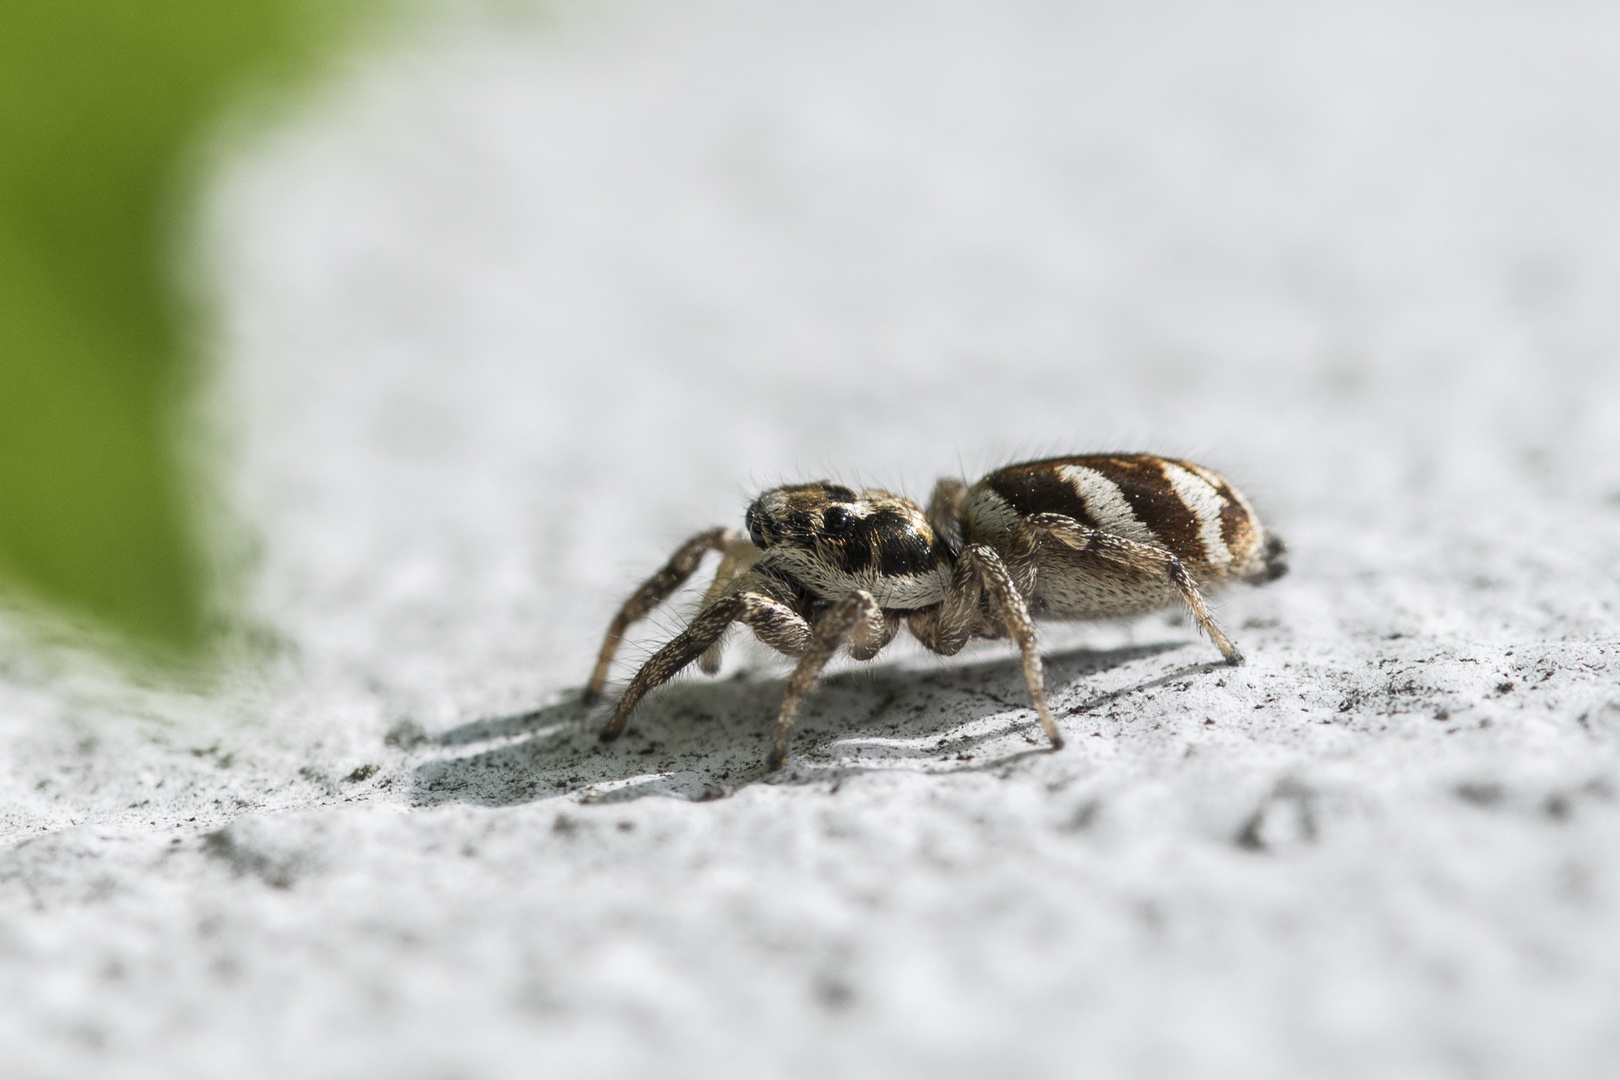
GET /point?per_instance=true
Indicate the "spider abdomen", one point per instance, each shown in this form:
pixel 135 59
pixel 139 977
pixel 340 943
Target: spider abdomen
pixel 1176 506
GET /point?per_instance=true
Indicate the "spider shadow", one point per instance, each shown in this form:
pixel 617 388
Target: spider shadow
pixel 699 740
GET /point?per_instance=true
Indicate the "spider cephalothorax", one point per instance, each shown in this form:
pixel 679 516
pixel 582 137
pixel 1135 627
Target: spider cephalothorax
pixel 836 540
pixel 825 566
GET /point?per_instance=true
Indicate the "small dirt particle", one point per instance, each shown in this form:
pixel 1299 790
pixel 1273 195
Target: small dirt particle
pixel 1481 792
pixel 834 993
pixel 405 735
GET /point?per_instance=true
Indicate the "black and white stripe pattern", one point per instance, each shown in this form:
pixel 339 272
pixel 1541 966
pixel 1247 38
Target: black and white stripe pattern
pixel 899 592
pixel 834 540
pixel 1175 505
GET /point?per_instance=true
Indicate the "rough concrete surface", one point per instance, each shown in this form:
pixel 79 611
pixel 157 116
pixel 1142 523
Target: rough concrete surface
pixel 516 307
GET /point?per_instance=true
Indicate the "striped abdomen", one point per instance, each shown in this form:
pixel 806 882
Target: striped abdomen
pixel 1181 507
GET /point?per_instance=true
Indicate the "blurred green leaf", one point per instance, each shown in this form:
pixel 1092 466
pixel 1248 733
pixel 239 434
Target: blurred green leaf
pixel 102 106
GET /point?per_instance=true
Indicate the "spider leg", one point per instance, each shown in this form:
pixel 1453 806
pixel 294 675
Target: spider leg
pixel 1129 553
pixel 737 560
pixel 1004 594
pixel 652 592
pixel 773 622
pixel 871 636
pixel 945 511
pixel 948 625
pixel 858 613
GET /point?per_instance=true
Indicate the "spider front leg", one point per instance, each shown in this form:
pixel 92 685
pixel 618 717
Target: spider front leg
pixel 1130 553
pixel 738 559
pixel 652 592
pixel 857 617
pixel 772 621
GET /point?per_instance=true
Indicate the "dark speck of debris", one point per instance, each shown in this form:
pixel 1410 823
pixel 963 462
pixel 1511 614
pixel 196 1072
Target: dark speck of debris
pixel 364 772
pixel 405 735
pixel 834 993
pixel 1084 816
pixel 1504 688
pixel 1284 817
pixel 626 826
pixel 1480 792
pixel 276 870
pixel 564 825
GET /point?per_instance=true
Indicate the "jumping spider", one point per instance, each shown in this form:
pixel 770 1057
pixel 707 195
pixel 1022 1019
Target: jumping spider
pixel 824 565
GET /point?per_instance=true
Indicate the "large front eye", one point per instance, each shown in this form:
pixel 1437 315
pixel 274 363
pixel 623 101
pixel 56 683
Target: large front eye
pixel 835 520
pixel 754 532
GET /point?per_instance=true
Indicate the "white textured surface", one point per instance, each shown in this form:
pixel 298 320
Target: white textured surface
pixel 523 308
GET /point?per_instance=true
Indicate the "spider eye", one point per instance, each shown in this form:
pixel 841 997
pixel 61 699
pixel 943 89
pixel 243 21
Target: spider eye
pixel 754 532
pixel 835 520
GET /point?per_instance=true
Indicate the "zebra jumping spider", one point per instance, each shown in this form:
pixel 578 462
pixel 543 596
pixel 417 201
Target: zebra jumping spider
pixel 826 566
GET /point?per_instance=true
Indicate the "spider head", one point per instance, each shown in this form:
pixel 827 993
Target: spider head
pixel 835 539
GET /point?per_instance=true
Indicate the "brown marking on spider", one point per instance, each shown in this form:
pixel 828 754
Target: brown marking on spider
pixel 828 567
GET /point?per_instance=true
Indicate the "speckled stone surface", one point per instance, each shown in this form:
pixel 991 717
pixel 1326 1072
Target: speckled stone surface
pixel 520 306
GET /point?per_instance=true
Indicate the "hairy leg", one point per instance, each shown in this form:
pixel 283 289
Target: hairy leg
pixel 945 511
pixel 1024 553
pixel 652 592
pixel 980 575
pixel 949 624
pixel 739 557
pixel 857 612
pixel 1007 600
pixel 871 636
pixel 773 622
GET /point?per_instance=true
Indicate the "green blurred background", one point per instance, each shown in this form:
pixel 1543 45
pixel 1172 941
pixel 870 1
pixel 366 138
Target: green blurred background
pixel 106 107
